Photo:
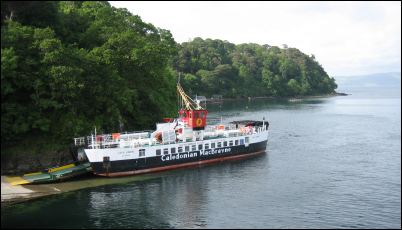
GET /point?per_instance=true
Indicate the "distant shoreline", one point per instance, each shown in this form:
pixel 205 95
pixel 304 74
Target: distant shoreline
pixel 276 97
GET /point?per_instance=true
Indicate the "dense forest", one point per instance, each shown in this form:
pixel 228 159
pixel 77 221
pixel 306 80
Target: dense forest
pixel 67 67
pixel 219 67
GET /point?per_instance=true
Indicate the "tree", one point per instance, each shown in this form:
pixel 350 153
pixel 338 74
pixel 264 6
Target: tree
pixel 35 13
pixel 293 87
pixel 93 66
pixel 258 70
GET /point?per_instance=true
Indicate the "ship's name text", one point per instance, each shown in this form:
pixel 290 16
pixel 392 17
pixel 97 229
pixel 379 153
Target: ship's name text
pixel 194 154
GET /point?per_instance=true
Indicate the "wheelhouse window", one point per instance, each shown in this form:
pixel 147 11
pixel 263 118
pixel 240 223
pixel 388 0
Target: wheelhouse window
pixel 199 147
pixel 179 149
pixel 186 148
pixel 193 148
pixel 219 144
pixel 247 139
pixel 206 146
pixel 230 143
pixel 236 142
pixel 173 150
pixel 212 145
pixel 142 152
pixel 225 143
pixel 241 141
pixel 165 151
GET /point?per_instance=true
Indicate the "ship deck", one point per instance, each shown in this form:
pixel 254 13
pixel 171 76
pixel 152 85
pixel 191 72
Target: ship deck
pixel 144 139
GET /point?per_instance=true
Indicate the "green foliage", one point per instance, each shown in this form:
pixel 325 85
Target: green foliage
pixel 80 65
pixel 249 70
pixel 34 13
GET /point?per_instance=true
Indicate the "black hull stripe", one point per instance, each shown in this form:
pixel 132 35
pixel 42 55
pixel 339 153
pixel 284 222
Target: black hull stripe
pixel 183 165
pixel 151 164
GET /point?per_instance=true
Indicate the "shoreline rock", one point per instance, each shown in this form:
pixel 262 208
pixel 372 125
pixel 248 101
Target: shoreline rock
pixel 21 163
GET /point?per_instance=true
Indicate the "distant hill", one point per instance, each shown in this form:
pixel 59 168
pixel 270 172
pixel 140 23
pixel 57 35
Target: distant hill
pixel 392 79
pixel 213 66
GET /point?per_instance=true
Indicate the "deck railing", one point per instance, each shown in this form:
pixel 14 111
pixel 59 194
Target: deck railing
pixel 138 139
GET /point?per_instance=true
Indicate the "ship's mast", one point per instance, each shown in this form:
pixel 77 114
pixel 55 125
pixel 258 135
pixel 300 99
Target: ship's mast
pixel 186 101
pixel 191 112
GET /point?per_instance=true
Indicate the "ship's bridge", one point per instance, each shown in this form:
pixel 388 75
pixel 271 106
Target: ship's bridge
pixel 191 113
pixel 196 119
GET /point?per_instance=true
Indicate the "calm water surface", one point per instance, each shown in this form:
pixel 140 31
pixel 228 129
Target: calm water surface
pixel 330 163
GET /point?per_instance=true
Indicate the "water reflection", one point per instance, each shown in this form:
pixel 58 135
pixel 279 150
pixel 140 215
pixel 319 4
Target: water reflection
pixel 177 199
pixel 182 193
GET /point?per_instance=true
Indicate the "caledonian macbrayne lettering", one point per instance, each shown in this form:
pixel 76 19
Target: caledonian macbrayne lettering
pixel 194 154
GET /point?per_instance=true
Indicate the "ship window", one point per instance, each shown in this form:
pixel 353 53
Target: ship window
pixel 206 146
pixel 247 139
pixel 158 152
pixel 172 150
pixel 142 152
pixel 241 141
pixel 193 148
pixel 230 143
pixel 225 143
pixel 186 148
pixel 236 142
pixel 199 147
pixel 219 144
pixel 179 149
pixel 195 115
pixel 212 145
pixel 165 151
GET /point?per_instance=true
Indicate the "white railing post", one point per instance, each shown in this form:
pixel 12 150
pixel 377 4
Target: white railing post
pixel 92 141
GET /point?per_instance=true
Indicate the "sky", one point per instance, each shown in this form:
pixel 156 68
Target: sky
pixel 347 38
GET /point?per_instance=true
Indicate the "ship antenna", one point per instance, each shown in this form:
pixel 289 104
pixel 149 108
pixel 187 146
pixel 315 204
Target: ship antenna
pixel 179 101
pixel 186 101
pixel 178 79
pixel 263 121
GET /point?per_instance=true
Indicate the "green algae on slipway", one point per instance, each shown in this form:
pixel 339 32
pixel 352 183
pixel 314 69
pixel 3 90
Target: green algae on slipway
pixel 11 194
pixel 51 175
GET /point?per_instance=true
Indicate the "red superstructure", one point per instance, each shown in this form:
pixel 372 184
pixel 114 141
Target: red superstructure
pixel 196 119
pixel 191 113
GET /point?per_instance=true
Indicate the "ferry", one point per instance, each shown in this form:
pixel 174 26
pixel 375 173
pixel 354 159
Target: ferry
pixel 185 141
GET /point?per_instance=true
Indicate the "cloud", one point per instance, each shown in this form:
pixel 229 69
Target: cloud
pixel 347 38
